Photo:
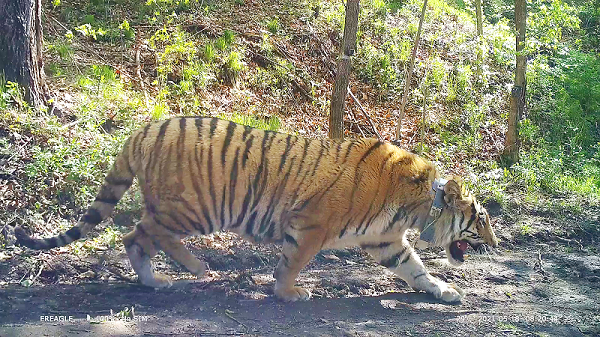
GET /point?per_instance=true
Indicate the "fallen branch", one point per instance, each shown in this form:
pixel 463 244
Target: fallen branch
pixel 237 321
pixel 354 121
pixel 539 263
pixel 365 113
pixel 263 61
pixel 138 70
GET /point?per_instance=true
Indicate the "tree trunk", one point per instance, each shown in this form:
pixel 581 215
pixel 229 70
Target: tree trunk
pixel 517 99
pixel 21 48
pixel 479 17
pixel 340 87
pixel 479 70
pixel 408 78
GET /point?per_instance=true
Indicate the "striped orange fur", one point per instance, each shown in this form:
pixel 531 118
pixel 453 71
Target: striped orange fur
pixel 201 175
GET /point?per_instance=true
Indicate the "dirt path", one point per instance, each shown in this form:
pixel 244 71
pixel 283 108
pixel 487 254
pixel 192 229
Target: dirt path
pixel 508 294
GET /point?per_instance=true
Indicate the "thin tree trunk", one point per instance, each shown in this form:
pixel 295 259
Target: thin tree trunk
pixel 479 70
pixel 21 48
pixel 517 99
pixel 340 87
pixel 408 78
pixel 479 15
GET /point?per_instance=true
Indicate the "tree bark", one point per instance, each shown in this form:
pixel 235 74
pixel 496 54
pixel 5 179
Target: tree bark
pixel 408 78
pixel 479 70
pixel 340 87
pixel 479 15
pixel 517 99
pixel 21 48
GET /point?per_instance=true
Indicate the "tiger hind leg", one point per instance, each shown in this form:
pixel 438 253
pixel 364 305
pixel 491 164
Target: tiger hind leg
pixel 296 253
pixel 177 251
pixel 400 258
pixel 140 249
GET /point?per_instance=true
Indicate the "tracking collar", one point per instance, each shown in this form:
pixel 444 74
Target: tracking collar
pixel 428 231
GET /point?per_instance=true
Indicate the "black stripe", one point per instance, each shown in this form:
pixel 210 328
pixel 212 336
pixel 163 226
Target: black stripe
pixel 213 126
pixel 348 150
pixel 286 261
pixel 307 228
pixel 362 221
pixel 393 261
pixel 206 214
pixel 233 182
pixel 271 230
pixel 345 228
pixel 338 150
pixel 375 215
pixel 262 174
pixel 420 275
pixel 198 190
pixel 421 178
pixel 223 206
pixel 142 135
pixel 414 221
pixel 276 196
pixel 198 123
pixel 290 239
pixel 401 213
pixel 111 201
pixel 376 245
pixel 74 233
pixel 92 216
pixel 323 192
pixel 245 205
pixel 285 152
pixel 155 154
pixel 180 149
pixel 211 179
pixel 227 141
pixel 52 242
pixel 160 223
pixel 302 161
pixel 114 181
pixel 250 224
pixel 247 151
pixel 141 229
pixel 405 259
pixel 318 161
pixel 471 220
pixel 371 149
pixel 247 131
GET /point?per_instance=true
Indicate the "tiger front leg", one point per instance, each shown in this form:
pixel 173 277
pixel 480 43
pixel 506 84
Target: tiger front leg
pixel 298 249
pixel 400 258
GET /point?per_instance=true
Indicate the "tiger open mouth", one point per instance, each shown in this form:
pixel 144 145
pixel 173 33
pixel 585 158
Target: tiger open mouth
pixel 457 250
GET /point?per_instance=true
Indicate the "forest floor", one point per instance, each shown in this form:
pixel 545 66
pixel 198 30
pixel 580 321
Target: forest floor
pixel 534 285
pixel 543 280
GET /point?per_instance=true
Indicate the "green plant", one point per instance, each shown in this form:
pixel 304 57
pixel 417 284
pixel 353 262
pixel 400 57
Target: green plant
pixel 525 229
pixel 273 25
pixel 272 123
pixel 128 32
pixel 62 48
pixel 88 31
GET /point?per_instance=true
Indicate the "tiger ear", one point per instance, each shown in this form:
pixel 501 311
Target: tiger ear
pixel 453 194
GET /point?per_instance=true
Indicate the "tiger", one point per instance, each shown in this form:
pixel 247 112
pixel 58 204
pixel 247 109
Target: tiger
pixel 199 175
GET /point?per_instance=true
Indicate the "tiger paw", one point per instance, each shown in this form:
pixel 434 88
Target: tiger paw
pixel 159 281
pixel 451 293
pixel 292 294
pixel 200 270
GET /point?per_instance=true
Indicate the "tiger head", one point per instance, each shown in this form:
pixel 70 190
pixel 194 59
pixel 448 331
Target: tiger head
pixel 463 222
